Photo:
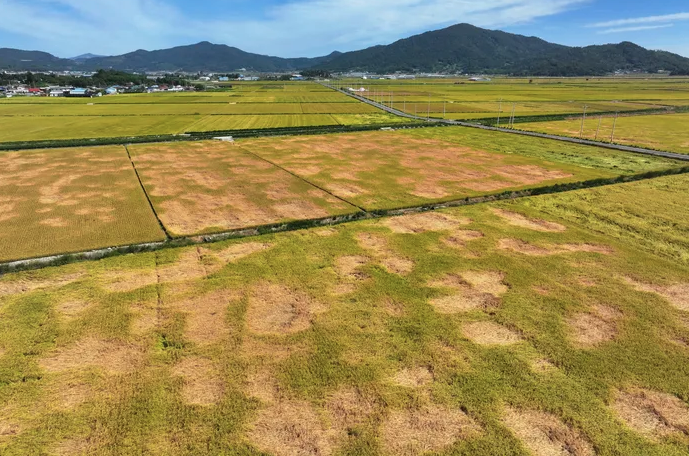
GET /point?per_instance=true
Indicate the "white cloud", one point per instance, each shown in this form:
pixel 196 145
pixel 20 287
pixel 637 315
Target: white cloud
pixel 307 27
pixel 642 20
pixel 634 29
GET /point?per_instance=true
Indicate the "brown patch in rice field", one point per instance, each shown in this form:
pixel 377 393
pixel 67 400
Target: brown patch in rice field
pixel 58 222
pixel 529 174
pixel 592 329
pixel 422 222
pixel 415 377
pixel 324 232
pixel 677 295
pixel 299 210
pixel 652 413
pixel 262 385
pixel 459 238
pixel 128 280
pixel 111 356
pixel 276 309
pixel 8 429
pixel 72 393
pixel 237 251
pixel 344 288
pixel 430 191
pixel 489 333
pixel 542 365
pixel 487 185
pixel 414 431
pixel 345 190
pixel 72 308
pixel 472 290
pixel 349 407
pixel 71 447
pixel 379 246
pixel 28 283
pixel 526 248
pixel 290 428
pixel 349 267
pixel 205 315
pixel 546 435
pixel 517 219
pixel 202 384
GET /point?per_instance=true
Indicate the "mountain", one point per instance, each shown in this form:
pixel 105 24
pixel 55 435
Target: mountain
pixel 459 48
pixel 15 59
pixel 470 49
pixel 83 57
pixel 203 56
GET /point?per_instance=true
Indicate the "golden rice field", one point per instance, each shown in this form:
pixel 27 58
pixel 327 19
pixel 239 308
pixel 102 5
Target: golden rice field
pixel 661 132
pixel 70 200
pixel 497 329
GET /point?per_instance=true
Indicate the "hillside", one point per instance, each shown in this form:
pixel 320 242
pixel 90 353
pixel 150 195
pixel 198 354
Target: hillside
pixel 203 56
pixel 459 48
pixel 470 49
pixel 15 59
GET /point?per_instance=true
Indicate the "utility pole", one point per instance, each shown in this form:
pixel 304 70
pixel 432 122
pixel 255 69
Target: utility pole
pixel 583 118
pixel 600 119
pixel 514 106
pixel 614 123
pixel 499 110
pixel 428 116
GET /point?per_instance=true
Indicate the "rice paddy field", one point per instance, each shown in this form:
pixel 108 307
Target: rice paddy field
pixel 662 132
pixel 498 100
pixel 514 328
pixel 245 106
pixel 215 186
pixel 552 325
pixel 388 170
pixel 67 200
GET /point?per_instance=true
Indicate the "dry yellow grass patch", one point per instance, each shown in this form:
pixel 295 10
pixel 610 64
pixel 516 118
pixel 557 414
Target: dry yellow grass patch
pixel 471 290
pixel 27 283
pixel 8 429
pixel 349 407
pixel 205 315
pixel 70 392
pixel 291 428
pixel 276 309
pixel 542 365
pixel 202 383
pixel 237 251
pixel 592 329
pixel 545 435
pixel 652 413
pixel 459 238
pixel 71 447
pixel 426 221
pixel 73 308
pixel 489 333
pixel 677 295
pixel 522 221
pixel 411 432
pixel 380 248
pixel 348 267
pixel 111 356
pixel 414 377
pixel 128 280
pixel 526 248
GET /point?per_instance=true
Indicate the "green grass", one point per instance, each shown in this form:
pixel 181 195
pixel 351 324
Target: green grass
pixel 357 342
pixel 71 200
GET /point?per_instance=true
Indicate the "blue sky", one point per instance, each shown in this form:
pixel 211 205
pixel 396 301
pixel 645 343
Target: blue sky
pixel 293 28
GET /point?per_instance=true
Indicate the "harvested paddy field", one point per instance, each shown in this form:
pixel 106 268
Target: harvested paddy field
pixel 66 200
pixel 662 132
pixel 384 170
pixel 210 186
pixel 309 343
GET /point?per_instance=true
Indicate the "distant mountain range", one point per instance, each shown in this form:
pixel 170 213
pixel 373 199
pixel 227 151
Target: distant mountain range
pixel 459 48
